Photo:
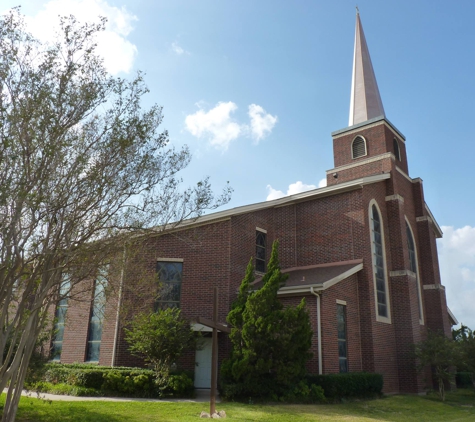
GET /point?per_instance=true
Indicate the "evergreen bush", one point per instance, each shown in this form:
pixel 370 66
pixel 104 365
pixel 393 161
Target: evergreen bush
pixel 270 343
pixel 85 379
pixel 348 385
pixel 464 379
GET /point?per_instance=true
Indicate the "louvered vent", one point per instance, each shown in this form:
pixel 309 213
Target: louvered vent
pixel 359 147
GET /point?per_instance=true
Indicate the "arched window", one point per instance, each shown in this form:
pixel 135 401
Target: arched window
pixel 413 266
pixel 358 147
pixel 397 151
pixel 379 265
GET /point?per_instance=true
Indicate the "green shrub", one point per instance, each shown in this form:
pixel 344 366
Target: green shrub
pixel 179 385
pixel 62 389
pixel 138 383
pixel 350 385
pixel 304 392
pixel 464 379
pixel 86 379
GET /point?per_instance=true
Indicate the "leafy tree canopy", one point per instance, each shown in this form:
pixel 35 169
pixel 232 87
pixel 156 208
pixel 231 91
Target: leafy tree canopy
pixel 161 338
pixel 80 161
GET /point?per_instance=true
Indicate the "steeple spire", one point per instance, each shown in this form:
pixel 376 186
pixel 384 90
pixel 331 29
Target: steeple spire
pixel 365 102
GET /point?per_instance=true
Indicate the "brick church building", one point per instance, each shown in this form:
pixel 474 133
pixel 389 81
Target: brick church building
pixel 361 250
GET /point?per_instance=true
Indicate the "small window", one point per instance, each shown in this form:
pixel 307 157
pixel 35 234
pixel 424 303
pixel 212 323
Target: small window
pixel 60 319
pixel 359 147
pixel 397 151
pixel 260 251
pixel 97 318
pixel 170 278
pixel 342 343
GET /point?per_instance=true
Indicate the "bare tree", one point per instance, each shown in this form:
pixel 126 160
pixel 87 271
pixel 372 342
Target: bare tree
pixel 80 163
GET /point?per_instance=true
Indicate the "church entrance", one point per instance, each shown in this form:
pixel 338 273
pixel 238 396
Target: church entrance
pixel 203 364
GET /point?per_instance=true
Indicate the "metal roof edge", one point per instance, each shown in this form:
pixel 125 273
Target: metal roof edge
pixel 369 122
pixel 436 225
pixel 287 200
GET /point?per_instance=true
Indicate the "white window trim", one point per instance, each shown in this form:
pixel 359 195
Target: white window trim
pixel 169 259
pixel 379 318
pixel 421 320
pixel 365 147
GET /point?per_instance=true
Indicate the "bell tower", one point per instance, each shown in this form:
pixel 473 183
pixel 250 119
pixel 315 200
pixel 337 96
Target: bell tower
pixel 370 144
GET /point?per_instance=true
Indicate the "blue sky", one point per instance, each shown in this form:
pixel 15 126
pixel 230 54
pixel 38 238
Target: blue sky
pixel 255 88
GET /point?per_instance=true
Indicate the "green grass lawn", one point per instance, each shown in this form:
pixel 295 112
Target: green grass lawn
pixel 459 406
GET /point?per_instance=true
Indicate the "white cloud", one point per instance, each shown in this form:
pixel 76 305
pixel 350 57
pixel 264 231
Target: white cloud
pixel 274 193
pixel 294 188
pixel 220 128
pixel 262 123
pixel 112 44
pixel 177 49
pixel 322 183
pixel 457 270
pixel 216 124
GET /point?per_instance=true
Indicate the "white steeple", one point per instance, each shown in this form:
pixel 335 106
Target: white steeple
pixel 365 103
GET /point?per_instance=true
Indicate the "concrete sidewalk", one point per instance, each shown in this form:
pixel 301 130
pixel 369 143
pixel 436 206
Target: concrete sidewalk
pixel 202 395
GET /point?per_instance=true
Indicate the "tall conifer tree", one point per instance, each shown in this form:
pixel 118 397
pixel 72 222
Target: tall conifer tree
pixel 270 342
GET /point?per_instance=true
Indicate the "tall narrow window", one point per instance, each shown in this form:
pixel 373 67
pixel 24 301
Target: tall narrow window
pixel 378 262
pixel 397 151
pixel 413 265
pixel 261 251
pixel 97 318
pixel 342 343
pixel 170 278
pixel 60 318
pixel 359 147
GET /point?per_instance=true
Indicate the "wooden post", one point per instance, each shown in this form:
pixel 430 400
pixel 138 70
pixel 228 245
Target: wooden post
pixel 214 356
pixel 215 325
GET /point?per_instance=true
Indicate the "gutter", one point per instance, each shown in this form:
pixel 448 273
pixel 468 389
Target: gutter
pixel 319 328
pixel 119 304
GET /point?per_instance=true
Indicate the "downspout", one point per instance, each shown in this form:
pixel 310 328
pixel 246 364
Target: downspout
pixel 119 304
pixel 319 328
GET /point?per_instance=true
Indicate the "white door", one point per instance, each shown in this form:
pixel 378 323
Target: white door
pixel 203 364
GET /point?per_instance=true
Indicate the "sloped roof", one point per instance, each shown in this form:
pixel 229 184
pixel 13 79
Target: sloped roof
pixel 302 280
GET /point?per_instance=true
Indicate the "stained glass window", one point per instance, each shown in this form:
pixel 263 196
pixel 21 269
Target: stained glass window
pixel 413 264
pixel 97 317
pixel 379 272
pixel 170 279
pixel 60 318
pixel 260 251
pixel 342 343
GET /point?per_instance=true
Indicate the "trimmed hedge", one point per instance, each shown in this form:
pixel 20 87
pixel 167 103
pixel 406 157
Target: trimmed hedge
pixel 464 379
pixel 103 380
pixel 349 385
